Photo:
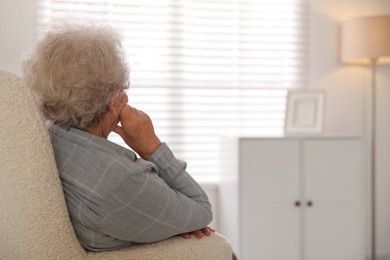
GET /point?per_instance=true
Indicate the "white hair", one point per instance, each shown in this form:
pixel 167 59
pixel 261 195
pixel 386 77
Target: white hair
pixel 75 71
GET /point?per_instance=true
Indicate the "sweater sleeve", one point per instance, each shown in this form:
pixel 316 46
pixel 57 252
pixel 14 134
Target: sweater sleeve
pixel 159 199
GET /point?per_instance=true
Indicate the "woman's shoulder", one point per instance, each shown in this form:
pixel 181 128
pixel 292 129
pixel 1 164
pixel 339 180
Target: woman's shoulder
pixel 77 147
pixel 83 159
pixel 76 137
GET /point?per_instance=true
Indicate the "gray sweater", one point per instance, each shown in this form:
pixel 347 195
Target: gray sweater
pixel 115 199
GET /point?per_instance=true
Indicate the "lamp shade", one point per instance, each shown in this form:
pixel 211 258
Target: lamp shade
pixel 365 38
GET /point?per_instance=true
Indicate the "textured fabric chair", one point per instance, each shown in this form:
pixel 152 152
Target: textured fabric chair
pixel 34 222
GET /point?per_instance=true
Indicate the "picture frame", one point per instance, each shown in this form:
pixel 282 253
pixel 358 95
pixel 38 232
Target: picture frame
pixel 304 112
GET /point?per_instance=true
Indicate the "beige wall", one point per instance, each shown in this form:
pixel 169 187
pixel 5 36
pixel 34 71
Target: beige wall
pixel 348 93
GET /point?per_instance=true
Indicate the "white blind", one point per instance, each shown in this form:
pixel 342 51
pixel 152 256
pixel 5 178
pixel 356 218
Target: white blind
pixel 205 69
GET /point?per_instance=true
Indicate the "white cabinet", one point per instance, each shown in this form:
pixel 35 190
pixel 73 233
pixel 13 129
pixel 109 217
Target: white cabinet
pixel 293 198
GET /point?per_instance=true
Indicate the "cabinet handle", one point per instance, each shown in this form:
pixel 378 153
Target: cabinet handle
pixel 297 203
pixel 310 203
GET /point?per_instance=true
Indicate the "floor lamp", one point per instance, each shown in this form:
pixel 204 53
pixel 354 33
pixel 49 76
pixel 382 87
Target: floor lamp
pixel 367 40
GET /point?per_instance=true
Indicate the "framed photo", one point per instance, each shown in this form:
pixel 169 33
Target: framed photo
pixel 304 112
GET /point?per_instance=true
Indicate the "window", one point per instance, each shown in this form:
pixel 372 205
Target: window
pixel 205 69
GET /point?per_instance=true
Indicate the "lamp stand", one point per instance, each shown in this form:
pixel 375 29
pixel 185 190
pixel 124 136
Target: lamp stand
pixel 374 62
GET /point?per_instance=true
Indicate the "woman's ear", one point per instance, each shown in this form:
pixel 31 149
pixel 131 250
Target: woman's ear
pixel 117 105
pixel 112 111
pixel 123 99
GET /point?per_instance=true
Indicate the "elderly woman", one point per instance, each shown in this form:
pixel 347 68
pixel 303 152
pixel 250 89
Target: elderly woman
pixel 115 198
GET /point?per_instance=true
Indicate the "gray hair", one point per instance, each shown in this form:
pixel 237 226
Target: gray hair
pixel 75 71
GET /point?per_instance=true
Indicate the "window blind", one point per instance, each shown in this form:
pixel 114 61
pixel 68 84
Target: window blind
pixel 204 69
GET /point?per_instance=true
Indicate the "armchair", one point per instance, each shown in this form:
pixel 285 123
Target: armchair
pixel 34 222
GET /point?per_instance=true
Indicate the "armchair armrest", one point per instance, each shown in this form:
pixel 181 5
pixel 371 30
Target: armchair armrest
pixel 214 247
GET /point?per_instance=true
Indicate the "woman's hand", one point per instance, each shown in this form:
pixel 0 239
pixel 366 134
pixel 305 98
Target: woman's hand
pixel 137 131
pixel 207 231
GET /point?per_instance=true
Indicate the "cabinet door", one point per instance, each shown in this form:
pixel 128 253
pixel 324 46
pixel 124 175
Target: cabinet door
pixel 333 183
pixel 269 187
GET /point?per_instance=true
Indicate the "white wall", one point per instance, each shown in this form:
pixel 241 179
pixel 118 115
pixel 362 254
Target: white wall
pixel 17 27
pixel 348 93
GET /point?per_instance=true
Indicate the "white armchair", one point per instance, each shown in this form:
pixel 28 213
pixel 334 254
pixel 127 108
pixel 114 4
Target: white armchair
pixel 34 222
